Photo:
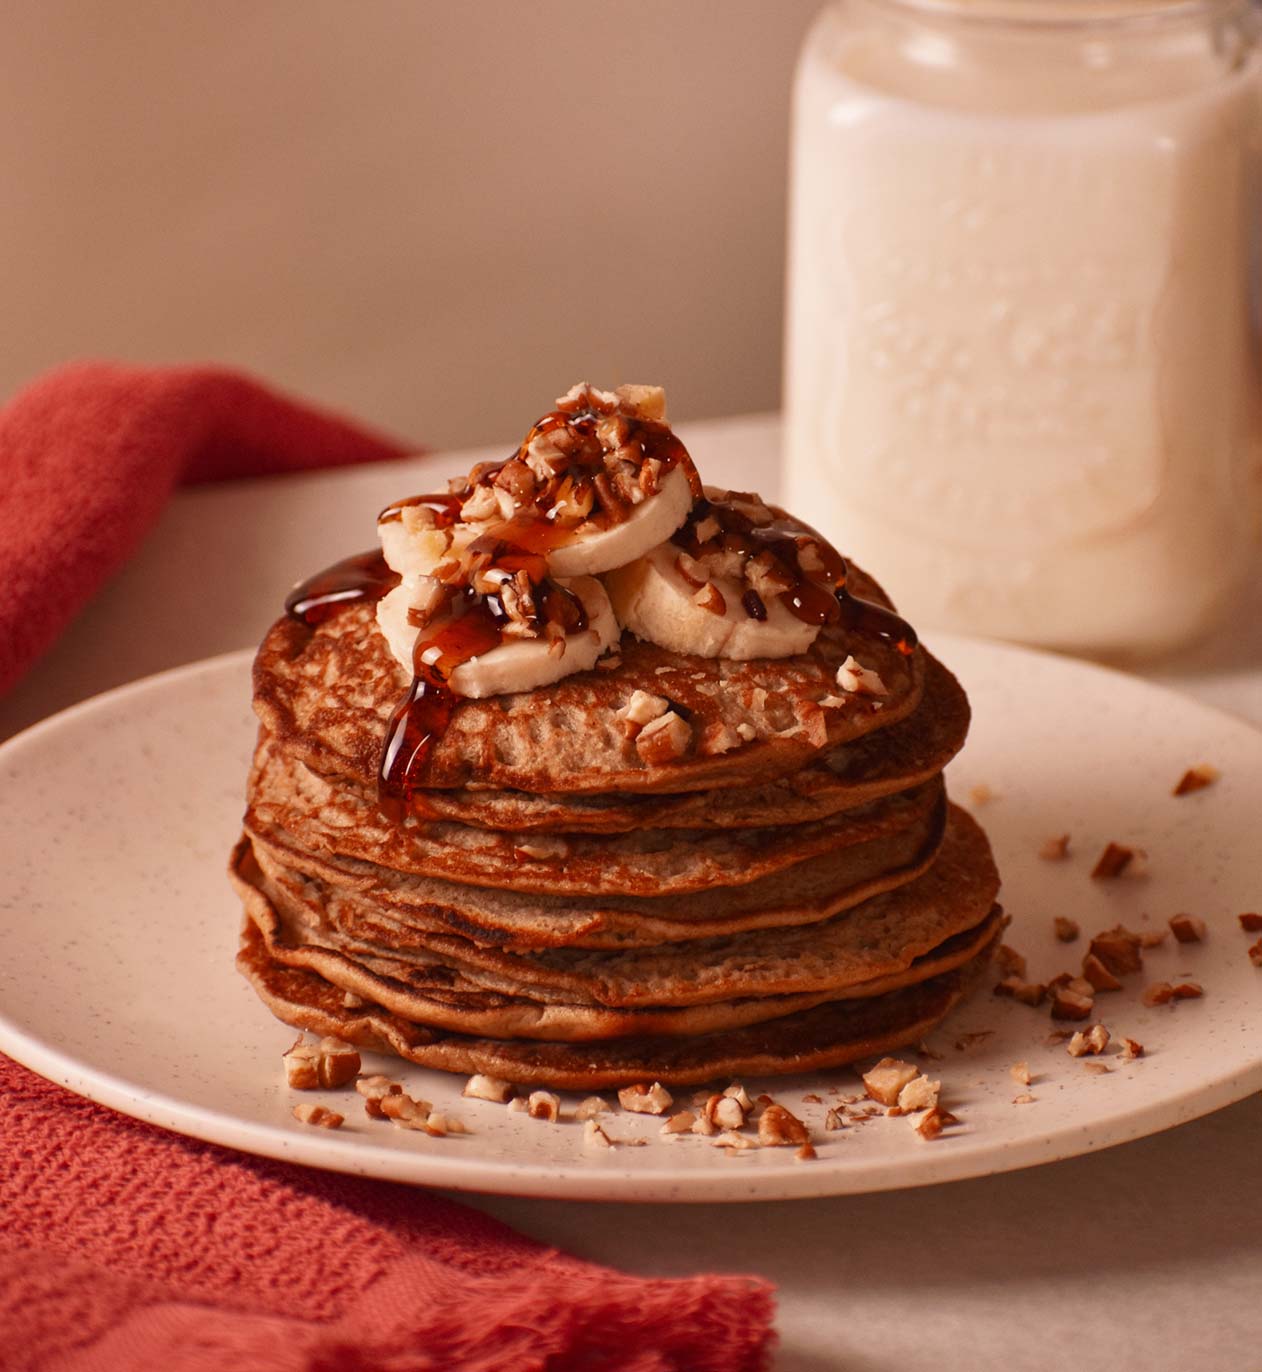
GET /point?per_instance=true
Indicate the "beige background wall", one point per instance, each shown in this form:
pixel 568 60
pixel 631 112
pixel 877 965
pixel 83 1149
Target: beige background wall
pixel 433 215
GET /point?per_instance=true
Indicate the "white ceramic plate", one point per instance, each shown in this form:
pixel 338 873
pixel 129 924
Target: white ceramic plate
pixel 119 930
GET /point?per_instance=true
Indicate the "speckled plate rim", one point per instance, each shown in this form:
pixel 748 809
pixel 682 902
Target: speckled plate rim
pixel 509 1155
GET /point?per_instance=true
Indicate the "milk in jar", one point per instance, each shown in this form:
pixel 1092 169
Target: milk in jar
pixel 1022 375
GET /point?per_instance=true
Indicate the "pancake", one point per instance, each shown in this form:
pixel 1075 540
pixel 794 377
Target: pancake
pixel 342 822
pixel 662 865
pixel 828 1035
pixel 442 997
pixel 879 939
pixel 326 693
pixel 879 764
pixel 808 893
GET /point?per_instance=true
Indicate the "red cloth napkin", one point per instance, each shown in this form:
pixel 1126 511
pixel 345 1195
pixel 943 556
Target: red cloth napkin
pixel 123 1247
pixel 90 454
pixel 127 1249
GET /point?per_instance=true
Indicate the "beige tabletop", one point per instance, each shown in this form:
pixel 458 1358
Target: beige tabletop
pixel 1147 1255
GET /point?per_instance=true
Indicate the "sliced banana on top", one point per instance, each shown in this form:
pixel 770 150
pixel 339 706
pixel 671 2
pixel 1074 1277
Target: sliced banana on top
pixel 518 646
pixel 593 549
pixel 598 482
pixel 738 581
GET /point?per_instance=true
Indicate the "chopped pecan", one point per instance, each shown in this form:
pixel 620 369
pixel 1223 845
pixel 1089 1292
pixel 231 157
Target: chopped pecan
pixel 308 1112
pixel 646 1100
pixel 323 1065
pixel 590 1107
pixel 778 1127
pixel 1055 849
pixel 1112 862
pixel 1187 928
pixel 481 1087
pixel 884 1081
pixel 1095 972
pixel 934 1121
pixel 664 740
pixel 1196 779
pixel 543 1105
pixel 1088 1042
pixel 1119 950
pixel 1066 929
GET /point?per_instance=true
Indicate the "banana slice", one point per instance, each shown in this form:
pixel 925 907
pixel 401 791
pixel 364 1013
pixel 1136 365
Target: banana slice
pixel 414 549
pixel 592 549
pixel 514 663
pixel 654 599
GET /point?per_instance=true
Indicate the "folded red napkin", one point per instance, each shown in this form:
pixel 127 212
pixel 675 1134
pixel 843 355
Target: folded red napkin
pixel 127 1249
pixel 123 1247
pixel 90 454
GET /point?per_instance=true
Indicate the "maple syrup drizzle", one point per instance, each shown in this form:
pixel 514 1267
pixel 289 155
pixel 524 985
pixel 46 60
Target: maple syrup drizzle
pixel 446 508
pixel 820 598
pixel 361 578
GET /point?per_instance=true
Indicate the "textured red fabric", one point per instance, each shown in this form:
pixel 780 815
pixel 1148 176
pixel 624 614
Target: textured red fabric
pixel 124 1249
pixel 90 454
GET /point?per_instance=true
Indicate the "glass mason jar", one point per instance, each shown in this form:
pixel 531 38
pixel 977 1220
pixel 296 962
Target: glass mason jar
pixel 1022 380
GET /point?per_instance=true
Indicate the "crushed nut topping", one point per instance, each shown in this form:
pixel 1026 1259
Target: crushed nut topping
pixel 1250 922
pixel 856 679
pixel 1188 928
pixel 664 740
pixel 884 1081
pixel 1113 861
pixel 646 1100
pixel 1255 953
pixel 735 1143
pixel 779 1128
pixel 590 1107
pixel 741 1096
pixel 1066 929
pixel 723 1112
pixel 438 1125
pixel 835 1119
pixel 934 1121
pixel 310 1113
pixel 1163 992
pixel 1020 1072
pixel 1095 972
pixel 980 795
pixel 1070 1004
pixel 481 1087
pixel 1055 849
pixel 544 1105
pixel 919 1094
pixel 1196 779
pixel 679 1123
pixel 405 1111
pixel 1088 1042
pixel 1119 950
pixel 806 1153
pixel 324 1065
pixel 1024 1099
pixel 1131 1049
pixel 374 1090
pixel 642 709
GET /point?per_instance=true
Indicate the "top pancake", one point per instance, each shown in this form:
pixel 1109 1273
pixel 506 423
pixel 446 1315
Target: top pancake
pixel 326 693
pixel 871 767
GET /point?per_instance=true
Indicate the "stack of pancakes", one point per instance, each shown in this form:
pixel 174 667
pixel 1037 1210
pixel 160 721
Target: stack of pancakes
pixel 555 909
